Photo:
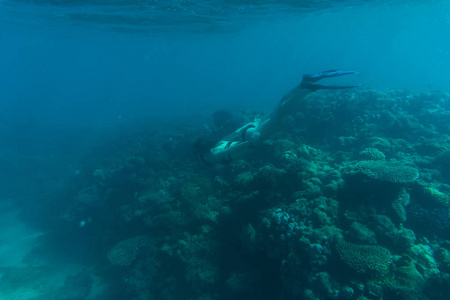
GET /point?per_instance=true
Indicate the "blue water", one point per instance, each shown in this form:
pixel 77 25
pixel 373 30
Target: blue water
pixel 88 88
pixel 90 69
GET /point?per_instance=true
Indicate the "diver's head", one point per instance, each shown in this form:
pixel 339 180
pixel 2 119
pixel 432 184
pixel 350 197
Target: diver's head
pixel 202 149
pixel 226 122
pixel 221 117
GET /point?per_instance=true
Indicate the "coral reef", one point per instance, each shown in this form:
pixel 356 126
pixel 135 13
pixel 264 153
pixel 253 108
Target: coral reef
pixel 330 208
pixel 372 154
pixel 399 204
pixel 364 258
pixel 388 171
pixel 125 252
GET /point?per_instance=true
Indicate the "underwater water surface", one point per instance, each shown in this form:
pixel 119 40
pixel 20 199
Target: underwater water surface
pixel 109 188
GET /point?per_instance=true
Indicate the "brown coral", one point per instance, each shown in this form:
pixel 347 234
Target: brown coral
pixel 364 258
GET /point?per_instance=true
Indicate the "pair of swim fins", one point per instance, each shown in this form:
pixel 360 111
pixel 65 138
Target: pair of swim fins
pixel 309 80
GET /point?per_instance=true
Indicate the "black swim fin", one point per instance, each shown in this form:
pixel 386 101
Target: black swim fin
pixel 310 79
pixel 326 74
pixel 315 86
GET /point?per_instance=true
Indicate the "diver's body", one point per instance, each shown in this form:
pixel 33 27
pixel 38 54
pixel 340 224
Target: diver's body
pixel 245 139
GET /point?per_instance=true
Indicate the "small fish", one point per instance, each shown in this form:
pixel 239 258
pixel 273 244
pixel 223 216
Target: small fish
pixel 83 223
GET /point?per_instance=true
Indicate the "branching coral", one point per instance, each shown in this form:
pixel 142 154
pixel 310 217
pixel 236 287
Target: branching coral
pixel 364 258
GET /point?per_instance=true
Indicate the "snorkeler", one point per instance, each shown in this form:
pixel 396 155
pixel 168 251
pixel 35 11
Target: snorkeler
pixel 245 139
